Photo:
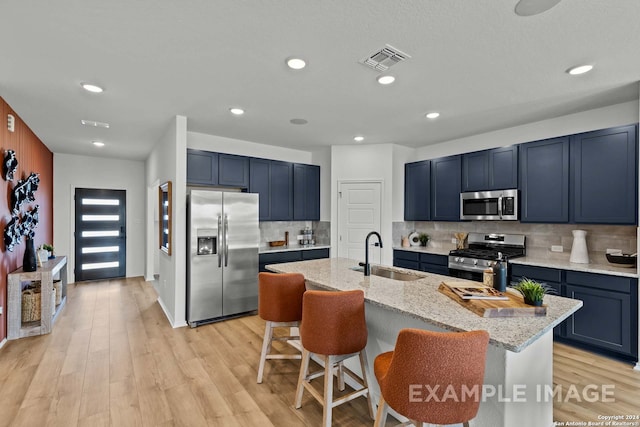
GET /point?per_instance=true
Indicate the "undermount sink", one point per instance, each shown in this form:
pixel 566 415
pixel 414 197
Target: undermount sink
pixel 389 274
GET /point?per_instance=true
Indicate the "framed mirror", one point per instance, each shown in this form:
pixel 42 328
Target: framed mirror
pixel 164 210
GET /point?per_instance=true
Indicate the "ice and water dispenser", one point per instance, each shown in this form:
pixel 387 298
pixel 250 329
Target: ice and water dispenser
pixel 207 242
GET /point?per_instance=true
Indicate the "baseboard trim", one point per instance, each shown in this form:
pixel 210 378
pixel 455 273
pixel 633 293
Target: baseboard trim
pixel 3 342
pixel 170 318
pixel 636 368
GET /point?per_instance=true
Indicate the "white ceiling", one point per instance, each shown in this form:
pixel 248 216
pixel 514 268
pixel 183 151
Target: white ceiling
pixel 477 62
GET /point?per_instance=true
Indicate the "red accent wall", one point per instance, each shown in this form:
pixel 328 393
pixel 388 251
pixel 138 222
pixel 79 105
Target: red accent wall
pixel 33 156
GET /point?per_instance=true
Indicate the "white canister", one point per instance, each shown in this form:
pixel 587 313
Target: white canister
pixel 579 253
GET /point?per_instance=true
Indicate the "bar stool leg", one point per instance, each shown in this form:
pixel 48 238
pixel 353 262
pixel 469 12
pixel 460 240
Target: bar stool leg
pixel 340 375
pixel 304 371
pixel 266 349
pixel 381 416
pixel 327 408
pixel 364 365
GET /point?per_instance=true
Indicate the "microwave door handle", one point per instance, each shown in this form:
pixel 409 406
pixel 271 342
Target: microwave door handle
pixel 500 206
pixel 219 242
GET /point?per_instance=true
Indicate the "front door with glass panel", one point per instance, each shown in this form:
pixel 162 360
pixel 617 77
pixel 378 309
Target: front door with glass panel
pixel 100 234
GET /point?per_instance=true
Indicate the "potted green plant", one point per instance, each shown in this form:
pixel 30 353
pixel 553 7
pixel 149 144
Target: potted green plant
pixel 47 247
pixel 532 291
pixel 424 239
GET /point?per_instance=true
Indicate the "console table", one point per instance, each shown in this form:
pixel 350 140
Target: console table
pixel 45 274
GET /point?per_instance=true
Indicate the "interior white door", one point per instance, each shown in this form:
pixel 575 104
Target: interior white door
pixel 359 207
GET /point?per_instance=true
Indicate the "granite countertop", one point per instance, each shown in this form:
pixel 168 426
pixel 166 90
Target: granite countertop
pixel 293 247
pixel 421 299
pixel 425 249
pixel 564 264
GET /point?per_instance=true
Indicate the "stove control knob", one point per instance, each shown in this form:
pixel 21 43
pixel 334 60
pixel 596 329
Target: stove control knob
pixel 457 259
pixel 475 262
pixel 461 260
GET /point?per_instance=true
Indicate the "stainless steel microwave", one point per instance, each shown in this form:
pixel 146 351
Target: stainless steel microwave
pixel 489 205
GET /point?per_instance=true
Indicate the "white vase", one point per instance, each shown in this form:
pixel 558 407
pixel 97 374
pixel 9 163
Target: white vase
pixel 579 253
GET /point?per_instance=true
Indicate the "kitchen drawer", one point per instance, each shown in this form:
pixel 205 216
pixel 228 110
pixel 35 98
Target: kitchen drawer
pixel 403 263
pixel 434 259
pixel 434 268
pixel 278 257
pixel 600 281
pixel 539 274
pixel 315 253
pixel 406 255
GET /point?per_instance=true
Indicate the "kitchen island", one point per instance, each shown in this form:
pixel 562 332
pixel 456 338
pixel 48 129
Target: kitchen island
pixel 518 375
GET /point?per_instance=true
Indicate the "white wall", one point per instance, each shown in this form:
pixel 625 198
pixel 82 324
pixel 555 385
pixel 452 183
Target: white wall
pixel 71 172
pixel 168 162
pixel 364 163
pixel 220 144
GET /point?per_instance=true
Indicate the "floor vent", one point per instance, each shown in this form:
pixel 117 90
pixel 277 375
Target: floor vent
pixel 385 58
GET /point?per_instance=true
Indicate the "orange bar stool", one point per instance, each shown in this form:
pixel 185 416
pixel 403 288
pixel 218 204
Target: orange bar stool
pixel 280 304
pixel 427 375
pixel 333 328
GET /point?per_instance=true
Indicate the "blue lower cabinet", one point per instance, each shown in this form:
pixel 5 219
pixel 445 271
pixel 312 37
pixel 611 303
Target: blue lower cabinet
pixel 433 263
pixel 608 319
pixel 290 256
pixel 406 259
pixel 429 263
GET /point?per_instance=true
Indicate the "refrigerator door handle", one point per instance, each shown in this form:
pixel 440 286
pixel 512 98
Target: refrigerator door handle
pixel 226 241
pixel 219 242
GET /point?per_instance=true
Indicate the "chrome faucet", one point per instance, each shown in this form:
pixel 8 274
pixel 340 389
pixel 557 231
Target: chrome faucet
pixel 367 267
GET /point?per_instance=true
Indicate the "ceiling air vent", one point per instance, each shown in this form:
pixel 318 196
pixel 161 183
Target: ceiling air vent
pixel 384 58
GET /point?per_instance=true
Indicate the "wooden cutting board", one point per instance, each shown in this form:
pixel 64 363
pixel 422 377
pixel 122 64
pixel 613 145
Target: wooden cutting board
pixel 513 307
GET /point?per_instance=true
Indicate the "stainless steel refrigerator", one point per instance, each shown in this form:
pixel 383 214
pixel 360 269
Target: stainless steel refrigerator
pixel 222 266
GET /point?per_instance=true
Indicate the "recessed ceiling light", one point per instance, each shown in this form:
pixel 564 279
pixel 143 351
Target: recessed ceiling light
pixel 91 88
pixel 236 111
pixel 433 115
pixel 296 63
pixel 358 138
pixel 386 80
pixel 581 69
pixel 298 121
pixel 98 143
pixel 95 124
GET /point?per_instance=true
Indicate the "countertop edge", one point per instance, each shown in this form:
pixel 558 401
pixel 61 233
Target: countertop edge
pixel 586 268
pixel 290 248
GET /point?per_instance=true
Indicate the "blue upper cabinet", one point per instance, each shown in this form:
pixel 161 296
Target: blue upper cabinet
pixel 417 191
pixel 604 176
pixel 475 171
pixel 281 184
pixel 260 183
pixel 503 168
pixel 446 177
pixel 544 181
pixel 273 181
pixel 202 167
pixel 306 192
pixel 495 169
pixel 233 171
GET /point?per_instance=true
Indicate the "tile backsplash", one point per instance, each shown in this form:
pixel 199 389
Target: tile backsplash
pixel 539 237
pixel 274 230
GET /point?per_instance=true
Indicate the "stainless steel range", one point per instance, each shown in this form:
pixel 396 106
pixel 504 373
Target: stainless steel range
pixel 482 253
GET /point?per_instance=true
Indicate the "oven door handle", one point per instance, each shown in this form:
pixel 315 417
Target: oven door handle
pixel 500 201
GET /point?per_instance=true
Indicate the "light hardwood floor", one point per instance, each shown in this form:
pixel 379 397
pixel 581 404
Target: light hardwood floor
pixel 113 359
